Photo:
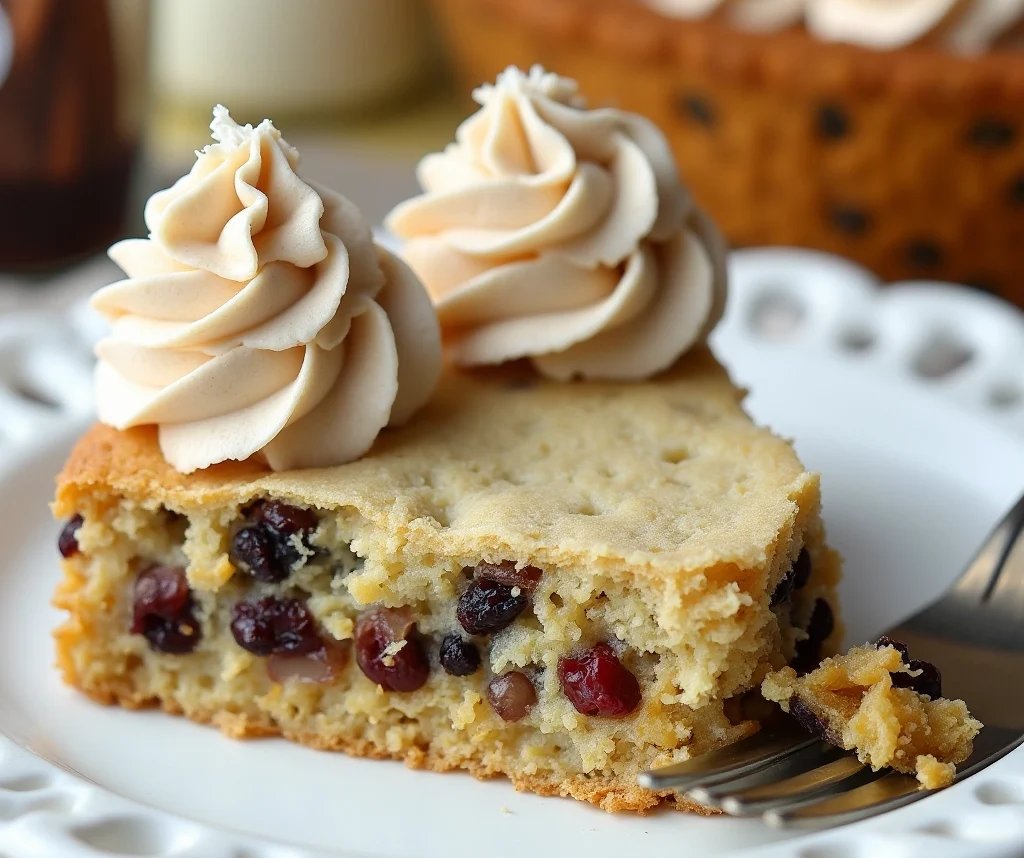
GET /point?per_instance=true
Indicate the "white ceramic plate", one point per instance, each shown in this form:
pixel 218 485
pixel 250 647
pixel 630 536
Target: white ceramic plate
pixel 915 471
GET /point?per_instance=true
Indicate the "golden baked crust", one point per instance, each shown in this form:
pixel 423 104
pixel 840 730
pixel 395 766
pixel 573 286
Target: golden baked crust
pixel 909 161
pixel 662 519
pixel 666 477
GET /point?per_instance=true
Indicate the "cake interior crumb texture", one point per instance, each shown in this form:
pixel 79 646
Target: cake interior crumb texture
pixel 662 522
pixel 855 702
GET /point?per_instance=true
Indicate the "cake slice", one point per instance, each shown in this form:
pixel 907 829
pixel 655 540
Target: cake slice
pixel 565 584
pixel 887 707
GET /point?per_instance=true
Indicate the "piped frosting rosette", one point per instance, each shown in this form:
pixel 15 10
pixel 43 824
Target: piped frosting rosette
pixel 966 26
pixel 562 235
pixel 259 317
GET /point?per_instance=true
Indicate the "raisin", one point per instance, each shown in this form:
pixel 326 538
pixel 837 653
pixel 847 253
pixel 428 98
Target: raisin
pixel 512 695
pixel 699 109
pixel 928 682
pixel 525 579
pixel 459 657
pixel 487 606
pixel 67 543
pixel 394 668
pixel 811 722
pixel 802 570
pixel 285 518
pixel 899 646
pixel 796 579
pixel 164 612
pixel 253 550
pixel 271 625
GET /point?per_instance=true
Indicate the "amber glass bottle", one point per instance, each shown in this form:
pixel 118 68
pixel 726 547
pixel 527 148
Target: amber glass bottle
pixel 66 150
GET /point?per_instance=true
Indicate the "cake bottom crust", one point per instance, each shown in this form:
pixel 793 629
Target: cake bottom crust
pixel 610 794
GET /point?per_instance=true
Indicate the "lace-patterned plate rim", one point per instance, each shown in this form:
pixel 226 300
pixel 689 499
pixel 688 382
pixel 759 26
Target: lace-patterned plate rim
pixel 793 315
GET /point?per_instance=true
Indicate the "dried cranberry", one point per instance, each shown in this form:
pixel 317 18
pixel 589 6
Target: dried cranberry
pixel 67 543
pixel 487 606
pixel 597 683
pixel 459 657
pixel 393 668
pixel 525 579
pixel 927 682
pixel 164 611
pixel 271 625
pixel 820 626
pixel 285 518
pixel 899 646
pixel 512 695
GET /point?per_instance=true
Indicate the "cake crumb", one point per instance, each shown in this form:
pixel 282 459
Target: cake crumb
pixel 505 810
pixel 932 774
pixel 852 701
pixel 387 657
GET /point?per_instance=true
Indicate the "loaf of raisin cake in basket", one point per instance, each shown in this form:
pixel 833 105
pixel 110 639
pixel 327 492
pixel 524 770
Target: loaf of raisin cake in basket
pixel 564 556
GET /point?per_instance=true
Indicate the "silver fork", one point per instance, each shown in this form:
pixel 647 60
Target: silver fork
pixel 974 634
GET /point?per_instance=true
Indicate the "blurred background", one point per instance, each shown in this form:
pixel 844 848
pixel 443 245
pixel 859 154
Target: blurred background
pixel 908 160
pixel 103 102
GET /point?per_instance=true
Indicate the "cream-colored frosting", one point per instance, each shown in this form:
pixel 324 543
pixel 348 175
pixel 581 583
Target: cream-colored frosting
pixel 259 317
pixel 563 235
pixel 965 26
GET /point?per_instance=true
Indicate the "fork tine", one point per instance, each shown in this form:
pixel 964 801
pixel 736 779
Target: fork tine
pixel 882 795
pixel 800 762
pixel 838 776
pixel 773 742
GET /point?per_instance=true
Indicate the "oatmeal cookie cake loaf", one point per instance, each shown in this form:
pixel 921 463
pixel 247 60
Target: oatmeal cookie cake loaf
pixel 562 584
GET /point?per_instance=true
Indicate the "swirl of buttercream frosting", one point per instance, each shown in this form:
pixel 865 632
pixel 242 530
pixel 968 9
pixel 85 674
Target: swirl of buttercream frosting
pixel 259 318
pixel 965 26
pixel 562 235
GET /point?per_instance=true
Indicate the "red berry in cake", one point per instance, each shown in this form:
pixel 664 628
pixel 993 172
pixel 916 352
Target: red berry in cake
pixel 597 683
pixel 163 610
pixel 487 606
pixel 67 543
pixel 459 657
pixel 512 695
pixel 271 625
pixel 388 650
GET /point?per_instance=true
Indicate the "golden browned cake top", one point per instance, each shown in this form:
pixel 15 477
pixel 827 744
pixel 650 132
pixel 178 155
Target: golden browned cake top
pixel 667 476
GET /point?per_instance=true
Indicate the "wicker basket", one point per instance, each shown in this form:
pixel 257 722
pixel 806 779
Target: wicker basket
pixel 909 161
